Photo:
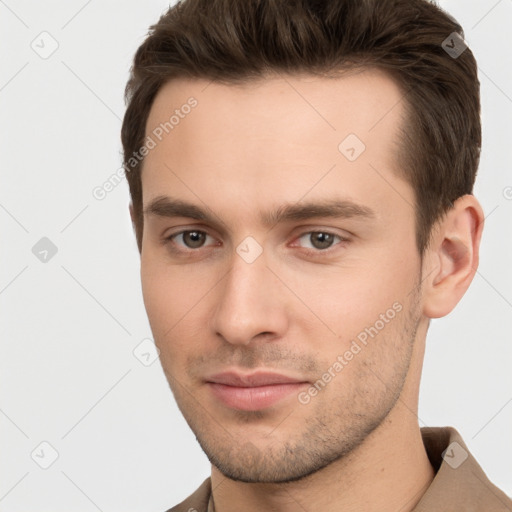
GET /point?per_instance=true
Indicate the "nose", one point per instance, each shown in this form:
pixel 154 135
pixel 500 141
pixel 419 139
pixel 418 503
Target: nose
pixel 250 303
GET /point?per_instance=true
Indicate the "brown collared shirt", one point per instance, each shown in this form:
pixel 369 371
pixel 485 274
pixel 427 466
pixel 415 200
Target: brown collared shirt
pixel 459 485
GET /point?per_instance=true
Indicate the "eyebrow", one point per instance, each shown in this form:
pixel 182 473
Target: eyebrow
pixel 165 206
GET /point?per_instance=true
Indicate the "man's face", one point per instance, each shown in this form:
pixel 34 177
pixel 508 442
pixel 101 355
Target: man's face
pixel 306 296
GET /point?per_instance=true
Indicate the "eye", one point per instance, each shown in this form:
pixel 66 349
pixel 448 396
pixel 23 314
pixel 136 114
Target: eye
pixel 192 239
pixel 320 240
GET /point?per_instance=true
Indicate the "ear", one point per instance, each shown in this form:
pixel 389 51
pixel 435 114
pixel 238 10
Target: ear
pixel 451 260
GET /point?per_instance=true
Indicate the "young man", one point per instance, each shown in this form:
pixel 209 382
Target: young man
pixel 301 178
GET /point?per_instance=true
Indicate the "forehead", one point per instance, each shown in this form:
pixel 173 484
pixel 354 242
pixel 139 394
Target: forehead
pixel 363 100
pixel 278 135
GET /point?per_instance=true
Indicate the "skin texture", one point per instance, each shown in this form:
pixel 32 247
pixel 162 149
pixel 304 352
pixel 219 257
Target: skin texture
pixel 252 148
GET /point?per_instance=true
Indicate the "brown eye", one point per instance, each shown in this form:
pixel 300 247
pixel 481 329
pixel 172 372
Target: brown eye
pixel 194 239
pixel 191 239
pixel 319 240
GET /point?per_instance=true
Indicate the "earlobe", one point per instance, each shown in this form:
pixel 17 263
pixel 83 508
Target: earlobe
pixel 452 258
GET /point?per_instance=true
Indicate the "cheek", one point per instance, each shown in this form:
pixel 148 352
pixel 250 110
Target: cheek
pixel 173 298
pixel 364 302
pixel 169 291
pixel 352 294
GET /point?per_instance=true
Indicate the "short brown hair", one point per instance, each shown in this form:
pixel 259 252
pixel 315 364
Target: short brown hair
pixel 232 41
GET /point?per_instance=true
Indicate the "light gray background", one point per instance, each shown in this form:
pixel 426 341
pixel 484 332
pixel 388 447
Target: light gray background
pixel 69 326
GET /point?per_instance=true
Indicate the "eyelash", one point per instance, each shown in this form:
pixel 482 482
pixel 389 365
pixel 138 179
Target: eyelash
pixel 310 252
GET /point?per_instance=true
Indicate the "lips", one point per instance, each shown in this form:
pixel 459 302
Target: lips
pixel 252 380
pixel 252 392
